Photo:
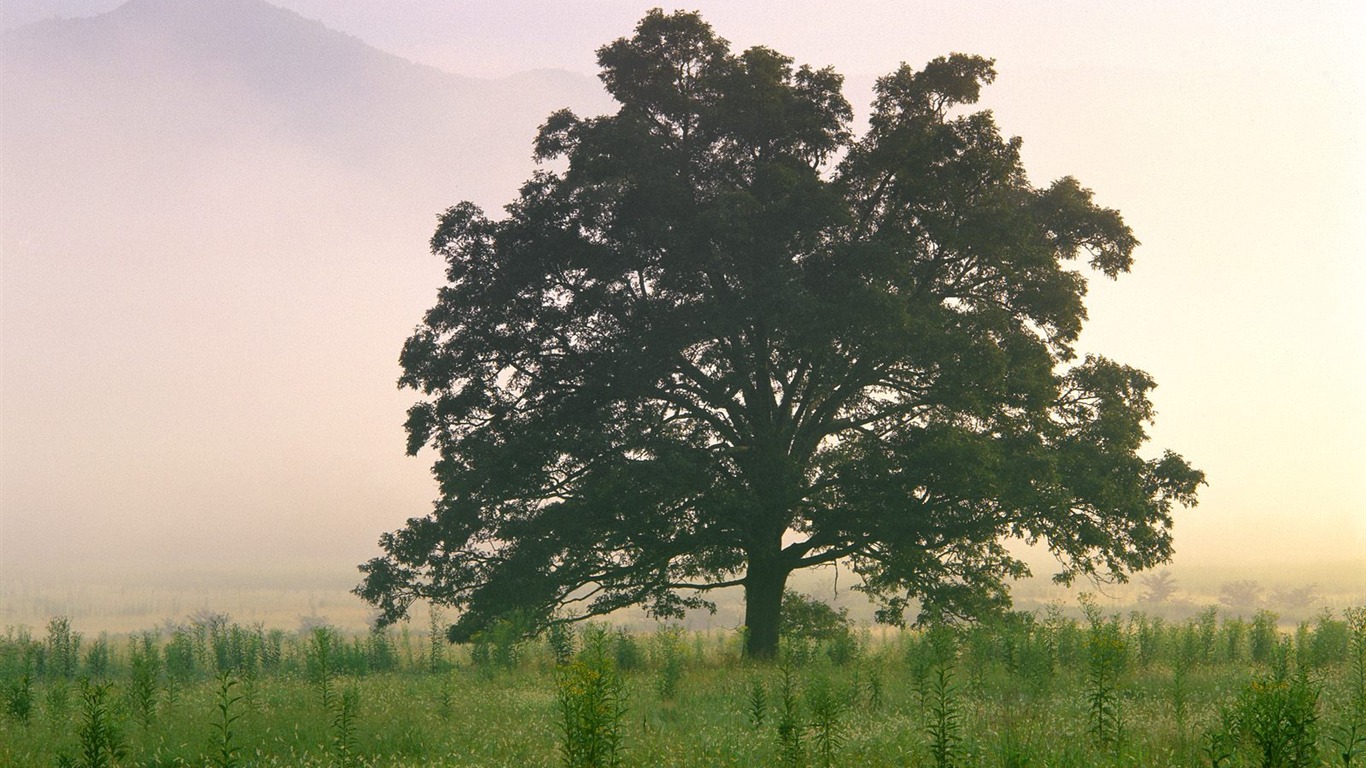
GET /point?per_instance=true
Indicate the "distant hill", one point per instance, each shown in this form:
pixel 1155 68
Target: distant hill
pixel 214 225
pixel 17 13
pixel 189 71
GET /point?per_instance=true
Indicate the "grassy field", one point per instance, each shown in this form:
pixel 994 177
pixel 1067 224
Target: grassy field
pixel 1051 688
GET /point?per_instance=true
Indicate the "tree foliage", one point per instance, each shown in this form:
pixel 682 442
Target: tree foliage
pixel 720 338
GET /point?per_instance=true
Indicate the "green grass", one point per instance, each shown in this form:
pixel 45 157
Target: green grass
pixel 1022 693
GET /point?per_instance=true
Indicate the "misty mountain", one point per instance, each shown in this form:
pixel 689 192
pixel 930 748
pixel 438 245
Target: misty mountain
pixel 215 216
pixel 212 70
pixel 17 13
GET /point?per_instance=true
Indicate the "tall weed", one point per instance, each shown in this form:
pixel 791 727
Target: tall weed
pixel 101 739
pixel 223 753
pixel 591 701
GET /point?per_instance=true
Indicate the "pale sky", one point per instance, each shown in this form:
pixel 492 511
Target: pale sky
pixel 1231 135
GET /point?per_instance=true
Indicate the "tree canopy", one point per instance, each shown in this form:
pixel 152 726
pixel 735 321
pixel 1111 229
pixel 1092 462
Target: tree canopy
pixel 719 338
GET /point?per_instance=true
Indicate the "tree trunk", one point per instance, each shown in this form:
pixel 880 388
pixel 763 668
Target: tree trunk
pixel 764 585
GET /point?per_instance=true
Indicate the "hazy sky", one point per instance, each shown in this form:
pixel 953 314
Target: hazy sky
pixel 1231 135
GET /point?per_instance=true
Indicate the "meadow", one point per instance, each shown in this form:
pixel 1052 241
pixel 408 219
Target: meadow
pixel 1069 685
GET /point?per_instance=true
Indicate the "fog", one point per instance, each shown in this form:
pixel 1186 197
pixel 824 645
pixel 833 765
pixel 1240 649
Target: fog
pixel 215 216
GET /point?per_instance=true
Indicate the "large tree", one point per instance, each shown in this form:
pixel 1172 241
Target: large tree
pixel 719 339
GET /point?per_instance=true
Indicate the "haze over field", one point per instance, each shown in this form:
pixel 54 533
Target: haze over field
pixel 215 215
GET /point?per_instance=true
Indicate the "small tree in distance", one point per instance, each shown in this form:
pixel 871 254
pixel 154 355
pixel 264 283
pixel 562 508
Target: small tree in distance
pixel 1159 587
pixel 1240 595
pixel 729 340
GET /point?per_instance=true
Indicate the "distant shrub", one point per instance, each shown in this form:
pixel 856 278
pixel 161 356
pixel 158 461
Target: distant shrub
pixel 810 626
pixel 806 617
